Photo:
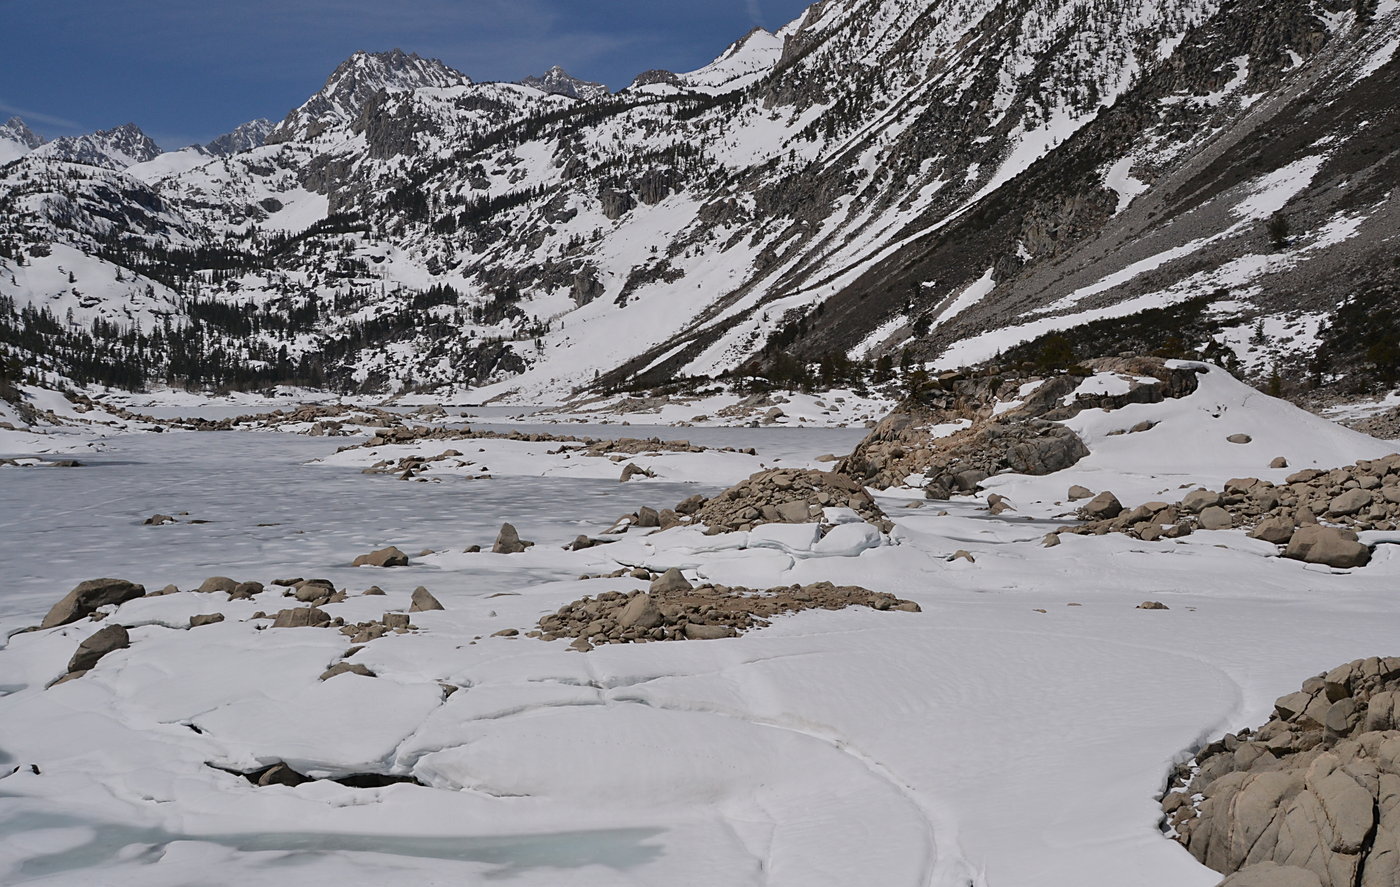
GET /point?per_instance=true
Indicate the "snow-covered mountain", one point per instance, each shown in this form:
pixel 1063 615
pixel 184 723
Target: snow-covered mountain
pixel 16 140
pixel 557 81
pixel 246 137
pixel 359 79
pixel 936 181
pixel 116 148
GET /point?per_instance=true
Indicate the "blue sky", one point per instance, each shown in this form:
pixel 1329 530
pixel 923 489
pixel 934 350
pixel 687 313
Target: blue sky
pixel 189 70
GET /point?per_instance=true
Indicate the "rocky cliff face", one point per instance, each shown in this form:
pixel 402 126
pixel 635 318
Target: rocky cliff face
pixel 939 180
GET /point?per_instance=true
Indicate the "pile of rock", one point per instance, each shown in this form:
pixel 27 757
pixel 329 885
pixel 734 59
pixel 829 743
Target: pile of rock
pixel 1006 430
pixel 673 610
pixel 1312 798
pixel 783 495
pixel 1364 496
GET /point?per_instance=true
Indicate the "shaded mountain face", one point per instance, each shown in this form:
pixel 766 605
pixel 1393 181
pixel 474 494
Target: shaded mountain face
pixel 557 81
pixel 935 181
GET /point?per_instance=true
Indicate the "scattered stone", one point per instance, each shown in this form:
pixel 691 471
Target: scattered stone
pixel 1240 439
pixel 1215 518
pixel 1050 540
pixel 1274 530
pixel 1104 506
pixel 302 617
pixel 384 557
pixel 671 580
pixel 1279 462
pixel 158 520
pixel 631 470
pixel 246 591
pixel 87 597
pixel 1349 503
pixel 206 619
pixel 286 583
pixel 97 645
pixel 507 633
pixel 216 584
pixel 423 600
pixel 1197 501
pixel 398 622
pixel 1152 605
pixel 962 554
pixel 347 668
pixel 1076 493
pixel 509 541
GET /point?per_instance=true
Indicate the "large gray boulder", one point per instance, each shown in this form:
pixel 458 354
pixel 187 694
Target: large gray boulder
pixel 1316 544
pixel 87 597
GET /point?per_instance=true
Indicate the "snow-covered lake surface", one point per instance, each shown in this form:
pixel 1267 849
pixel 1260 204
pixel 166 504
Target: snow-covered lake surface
pixel 1015 733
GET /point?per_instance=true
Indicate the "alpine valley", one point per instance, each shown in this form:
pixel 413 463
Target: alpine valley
pixel 932 182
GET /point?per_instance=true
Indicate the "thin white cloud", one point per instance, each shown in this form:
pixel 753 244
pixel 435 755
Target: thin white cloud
pixel 756 13
pixel 31 116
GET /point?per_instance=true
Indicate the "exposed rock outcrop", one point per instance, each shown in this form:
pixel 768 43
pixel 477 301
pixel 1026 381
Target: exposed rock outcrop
pixel 1312 797
pixel 1001 432
pixel 674 611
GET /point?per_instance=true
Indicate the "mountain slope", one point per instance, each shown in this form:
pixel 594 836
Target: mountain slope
pixel 933 181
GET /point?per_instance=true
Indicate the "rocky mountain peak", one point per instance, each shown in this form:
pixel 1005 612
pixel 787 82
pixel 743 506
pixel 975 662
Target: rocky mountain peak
pixel 355 82
pixel 16 130
pixel 557 81
pixel 117 148
pixel 246 137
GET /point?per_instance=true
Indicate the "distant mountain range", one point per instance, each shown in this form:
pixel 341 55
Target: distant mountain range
pixel 896 181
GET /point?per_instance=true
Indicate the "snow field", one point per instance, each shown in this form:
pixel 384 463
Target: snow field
pixel 1014 732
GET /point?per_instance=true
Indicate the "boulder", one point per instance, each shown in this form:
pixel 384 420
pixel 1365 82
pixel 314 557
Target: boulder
pixel 246 591
pixel 1349 503
pixel 1076 493
pixel 641 612
pixel 1215 518
pixel 1279 462
pixel 1104 506
pixel 384 557
pixel 423 600
pixel 1240 439
pixel 1275 530
pixel 671 580
pixel 158 520
pixel 87 597
pixel 1197 501
pixel 217 583
pixel 1316 544
pixel 302 617
pixel 206 619
pixel 508 541
pixel 112 637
